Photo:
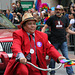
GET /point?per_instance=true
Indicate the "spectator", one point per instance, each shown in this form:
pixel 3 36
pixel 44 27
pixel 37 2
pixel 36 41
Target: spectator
pixel 73 9
pixel 24 50
pixel 19 8
pixel 72 22
pixel 0 11
pixel 70 9
pixel 48 29
pixel 40 12
pixel 38 21
pixel 16 18
pixel 13 5
pixel 52 12
pixel 19 14
pixel 71 26
pixel 29 10
pixel 59 27
pixel 35 15
pixel 4 12
pixel 65 13
pixel 9 15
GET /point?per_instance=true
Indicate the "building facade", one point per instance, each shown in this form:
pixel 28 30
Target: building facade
pixel 5 4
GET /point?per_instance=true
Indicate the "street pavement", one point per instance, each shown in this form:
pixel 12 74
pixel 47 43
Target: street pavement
pixel 62 70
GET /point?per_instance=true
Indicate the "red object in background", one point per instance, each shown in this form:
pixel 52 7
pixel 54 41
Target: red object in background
pixel 4 59
pixel 6 35
pixel 19 26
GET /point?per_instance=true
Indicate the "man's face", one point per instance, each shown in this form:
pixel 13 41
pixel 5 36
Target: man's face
pixel 58 12
pixel 14 14
pixel 70 16
pixel 74 8
pixel 7 11
pixel 30 27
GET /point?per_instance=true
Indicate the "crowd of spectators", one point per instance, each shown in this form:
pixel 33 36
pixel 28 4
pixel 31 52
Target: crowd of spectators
pixel 15 15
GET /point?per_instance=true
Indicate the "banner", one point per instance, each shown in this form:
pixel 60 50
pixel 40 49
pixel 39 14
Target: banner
pixel 37 4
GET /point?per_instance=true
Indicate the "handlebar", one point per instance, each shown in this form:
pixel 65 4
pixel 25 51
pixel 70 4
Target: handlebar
pixel 49 69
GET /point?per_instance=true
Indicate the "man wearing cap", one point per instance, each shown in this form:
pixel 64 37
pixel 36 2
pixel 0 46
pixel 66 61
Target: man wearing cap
pixel 30 45
pixel 59 26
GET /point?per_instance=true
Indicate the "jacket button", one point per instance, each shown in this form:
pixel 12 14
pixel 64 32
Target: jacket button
pixel 42 62
pixel 14 53
pixel 43 54
pixel 25 52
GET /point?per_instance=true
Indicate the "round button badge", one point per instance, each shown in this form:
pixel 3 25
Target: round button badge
pixel 31 51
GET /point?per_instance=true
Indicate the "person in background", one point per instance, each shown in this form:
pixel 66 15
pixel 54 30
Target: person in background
pixel 48 29
pixel 35 14
pixel 45 19
pixel 9 15
pixel 59 26
pixel 13 5
pixel 33 9
pixel 73 9
pixel 30 45
pixel 0 11
pixel 65 13
pixel 29 10
pixel 52 12
pixel 72 22
pixel 38 20
pixel 39 23
pixel 71 26
pixel 4 12
pixel 19 8
pixel 40 12
pixel 16 18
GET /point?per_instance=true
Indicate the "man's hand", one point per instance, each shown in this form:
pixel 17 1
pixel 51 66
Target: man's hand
pixel 61 57
pixel 23 60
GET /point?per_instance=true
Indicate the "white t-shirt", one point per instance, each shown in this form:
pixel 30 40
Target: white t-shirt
pixel 72 21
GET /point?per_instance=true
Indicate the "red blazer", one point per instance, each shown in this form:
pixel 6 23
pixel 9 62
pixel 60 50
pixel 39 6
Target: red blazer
pixel 21 43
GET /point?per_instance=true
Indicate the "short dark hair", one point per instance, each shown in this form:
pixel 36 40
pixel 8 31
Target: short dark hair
pixel 45 15
pixel 23 25
pixel 74 16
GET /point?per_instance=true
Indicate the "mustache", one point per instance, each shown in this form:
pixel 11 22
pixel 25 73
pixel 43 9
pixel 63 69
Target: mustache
pixel 57 13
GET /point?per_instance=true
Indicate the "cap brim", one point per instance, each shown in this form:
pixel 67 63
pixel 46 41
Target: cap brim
pixel 59 8
pixel 28 19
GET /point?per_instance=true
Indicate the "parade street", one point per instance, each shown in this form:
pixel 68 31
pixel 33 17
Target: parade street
pixel 62 70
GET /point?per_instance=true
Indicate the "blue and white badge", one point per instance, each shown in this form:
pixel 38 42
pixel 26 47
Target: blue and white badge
pixel 39 44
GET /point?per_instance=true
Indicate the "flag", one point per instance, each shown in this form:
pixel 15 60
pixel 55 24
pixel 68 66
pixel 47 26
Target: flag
pixel 46 20
pixel 67 63
pixel 37 4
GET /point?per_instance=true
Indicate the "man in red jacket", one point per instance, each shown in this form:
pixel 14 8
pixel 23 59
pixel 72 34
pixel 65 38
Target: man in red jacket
pixel 23 50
